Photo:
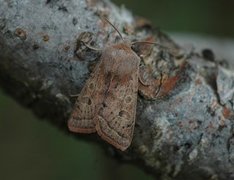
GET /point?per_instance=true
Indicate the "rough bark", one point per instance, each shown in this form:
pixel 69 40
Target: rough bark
pixel 187 133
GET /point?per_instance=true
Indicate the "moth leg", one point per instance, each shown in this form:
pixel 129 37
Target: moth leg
pixel 143 77
pixel 90 47
pixel 149 87
pixel 74 95
pixel 145 83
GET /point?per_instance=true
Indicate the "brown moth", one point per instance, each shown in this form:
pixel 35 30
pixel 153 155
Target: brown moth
pixel 107 102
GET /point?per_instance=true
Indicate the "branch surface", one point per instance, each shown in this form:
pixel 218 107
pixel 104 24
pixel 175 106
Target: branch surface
pixel 186 133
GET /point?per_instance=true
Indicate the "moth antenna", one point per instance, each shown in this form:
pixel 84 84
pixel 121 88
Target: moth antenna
pixel 105 19
pixel 148 42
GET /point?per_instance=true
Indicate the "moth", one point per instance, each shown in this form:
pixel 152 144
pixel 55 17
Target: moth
pixel 107 102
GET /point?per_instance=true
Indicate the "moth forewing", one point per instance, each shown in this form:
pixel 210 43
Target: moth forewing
pixel 86 105
pixel 115 119
pixel 107 102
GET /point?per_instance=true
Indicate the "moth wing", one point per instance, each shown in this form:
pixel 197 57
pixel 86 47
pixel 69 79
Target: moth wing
pixel 116 118
pixel 87 103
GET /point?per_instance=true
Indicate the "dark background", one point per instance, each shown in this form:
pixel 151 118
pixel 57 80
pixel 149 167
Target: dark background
pixel 30 148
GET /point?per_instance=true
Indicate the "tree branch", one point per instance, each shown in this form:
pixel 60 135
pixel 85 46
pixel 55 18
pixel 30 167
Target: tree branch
pixel 187 133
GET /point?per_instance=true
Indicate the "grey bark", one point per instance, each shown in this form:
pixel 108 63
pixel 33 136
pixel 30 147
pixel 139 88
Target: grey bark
pixel 189 134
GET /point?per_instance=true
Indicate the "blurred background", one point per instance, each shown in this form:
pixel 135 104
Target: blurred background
pixel 30 148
